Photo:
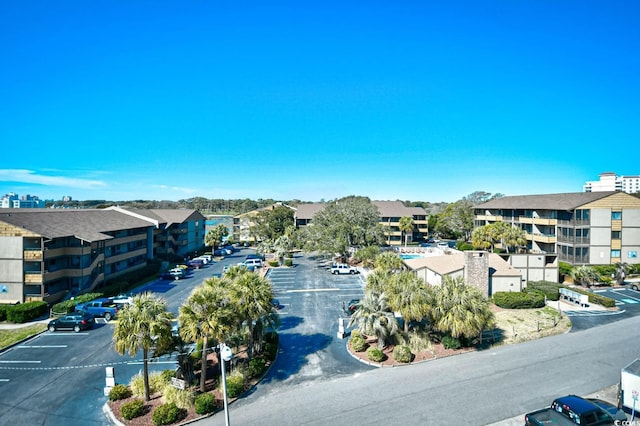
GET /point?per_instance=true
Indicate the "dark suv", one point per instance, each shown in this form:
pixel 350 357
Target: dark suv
pixel 76 321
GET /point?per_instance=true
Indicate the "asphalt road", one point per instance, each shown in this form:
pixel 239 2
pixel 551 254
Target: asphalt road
pixel 477 388
pixel 58 379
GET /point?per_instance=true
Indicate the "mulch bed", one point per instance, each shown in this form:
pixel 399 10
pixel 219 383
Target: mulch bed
pixel 156 399
pixel 437 351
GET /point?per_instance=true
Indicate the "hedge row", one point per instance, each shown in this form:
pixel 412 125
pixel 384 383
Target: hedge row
pixel 550 289
pixel 21 313
pixel 519 300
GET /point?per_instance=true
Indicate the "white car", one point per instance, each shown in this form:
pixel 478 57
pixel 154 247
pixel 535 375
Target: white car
pixel 343 268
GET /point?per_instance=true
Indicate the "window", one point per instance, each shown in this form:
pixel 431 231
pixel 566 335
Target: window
pixel 616 215
pixel 632 254
pixel 615 235
pixel 615 253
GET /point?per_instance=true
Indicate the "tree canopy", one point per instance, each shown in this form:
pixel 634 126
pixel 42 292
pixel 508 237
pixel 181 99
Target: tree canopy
pixel 344 223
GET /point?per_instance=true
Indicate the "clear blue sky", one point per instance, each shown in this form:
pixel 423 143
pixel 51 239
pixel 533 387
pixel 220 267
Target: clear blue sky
pixel 410 100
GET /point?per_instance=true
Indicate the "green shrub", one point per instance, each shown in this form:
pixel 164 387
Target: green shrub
pixel 132 409
pixel 596 298
pixel 156 383
pixel 550 289
pixel 355 333
pixel 464 246
pixel 119 392
pixel 21 313
pixel 402 353
pixel 273 263
pixel 167 375
pixel 518 300
pixel 166 414
pixel 205 403
pixel 3 312
pixel 358 343
pixel 375 354
pixel 235 384
pixel 450 342
pixel 183 398
pixel 256 367
pixel 288 262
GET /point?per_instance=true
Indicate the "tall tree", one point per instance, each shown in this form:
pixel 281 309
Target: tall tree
pixel 410 296
pixel 374 318
pixel 142 325
pixel 388 261
pixel 460 310
pixel 406 226
pixel 252 297
pixel 207 314
pixel 344 223
pixel 622 269
pixel 214 237
pixel 272 223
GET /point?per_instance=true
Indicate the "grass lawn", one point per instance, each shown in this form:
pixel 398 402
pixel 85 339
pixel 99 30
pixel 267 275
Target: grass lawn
pixel 9 337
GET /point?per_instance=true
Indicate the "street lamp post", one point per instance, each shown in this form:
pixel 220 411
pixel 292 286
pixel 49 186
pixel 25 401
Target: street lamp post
pixel 225 355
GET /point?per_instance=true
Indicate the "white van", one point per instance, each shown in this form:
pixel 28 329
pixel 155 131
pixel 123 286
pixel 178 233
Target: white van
pixel 256 263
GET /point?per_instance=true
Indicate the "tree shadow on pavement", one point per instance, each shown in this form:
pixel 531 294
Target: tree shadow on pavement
pixel 293 352
pixel 290 322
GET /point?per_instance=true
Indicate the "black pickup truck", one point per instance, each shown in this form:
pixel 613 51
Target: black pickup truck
pixel 574 410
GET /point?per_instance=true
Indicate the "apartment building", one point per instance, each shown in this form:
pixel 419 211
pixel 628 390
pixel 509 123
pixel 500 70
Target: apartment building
pixel 13 201
pixel 612 182
pixel 45 253
pixel 582 228
pixel 390 214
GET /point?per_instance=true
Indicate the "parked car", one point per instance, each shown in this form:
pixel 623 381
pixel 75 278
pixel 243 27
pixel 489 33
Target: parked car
pixel 174 274
pixel 122 300
pixel 255 256
pixel 103 307
pixel 275 303
pixel 255 263
pixel 76 321
pixel 343 268
pixel 220 252
pixel 572 409
pixel 353 306
pixel 196 263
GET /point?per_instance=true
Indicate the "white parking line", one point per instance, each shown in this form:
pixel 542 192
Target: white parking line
pixel 309 290
pixel 4 380
pixel 20 362
pixel 40 346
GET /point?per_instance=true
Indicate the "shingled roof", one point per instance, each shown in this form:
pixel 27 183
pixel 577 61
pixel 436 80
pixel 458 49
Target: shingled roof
pixel 566 201
pixel 85 224
pixel 386 209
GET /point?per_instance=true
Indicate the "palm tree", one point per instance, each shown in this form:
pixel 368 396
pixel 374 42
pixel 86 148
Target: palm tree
pixel 410 296
pixel 388 261
pixel 514 237
pixel 143 324
pixel 406 225
pixel 374 317
pixel 481 239
pixel 622 269
pixel 207 314
pixel 252 296
pixel 583 275
pixel 378 280
pixel 460 310
pixel 214 236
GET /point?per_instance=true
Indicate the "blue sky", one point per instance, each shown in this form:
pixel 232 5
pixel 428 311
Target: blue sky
pixel 409 100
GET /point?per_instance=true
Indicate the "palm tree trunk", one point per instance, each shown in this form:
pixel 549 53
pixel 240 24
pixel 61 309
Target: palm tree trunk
pixel 145 375
pixel 203 369
pixel 250 340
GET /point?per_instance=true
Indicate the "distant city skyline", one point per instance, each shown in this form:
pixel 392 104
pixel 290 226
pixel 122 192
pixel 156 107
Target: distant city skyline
pixel 421 101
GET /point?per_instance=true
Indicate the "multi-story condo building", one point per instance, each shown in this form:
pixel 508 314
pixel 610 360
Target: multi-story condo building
pixel 582 228
pixel 390 214
pixel 611 182
pixel 45 253
pixel 13 201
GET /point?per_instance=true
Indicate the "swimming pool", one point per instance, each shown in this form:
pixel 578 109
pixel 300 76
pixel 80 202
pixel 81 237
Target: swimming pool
pixel 410 256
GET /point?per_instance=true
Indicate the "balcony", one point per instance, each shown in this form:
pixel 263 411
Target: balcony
pixel 542 238
pixel 32 255
pixel 538 220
